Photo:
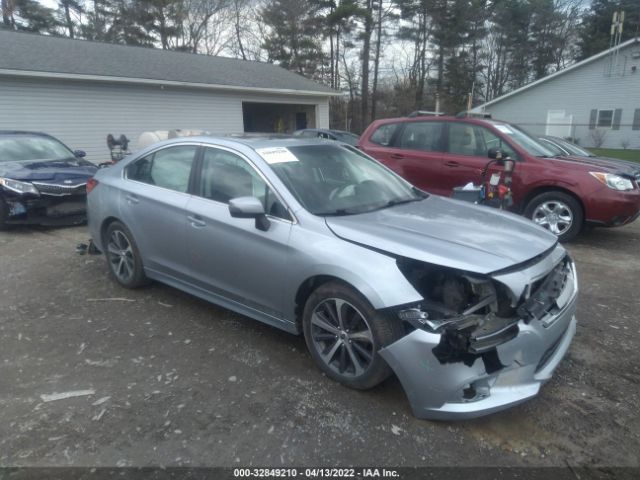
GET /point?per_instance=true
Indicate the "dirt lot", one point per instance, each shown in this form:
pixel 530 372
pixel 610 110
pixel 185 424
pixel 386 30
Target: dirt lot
pixel 178 381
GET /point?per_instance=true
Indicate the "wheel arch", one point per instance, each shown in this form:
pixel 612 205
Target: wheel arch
pixel 310 285
pixel 552 188
pixel 105 225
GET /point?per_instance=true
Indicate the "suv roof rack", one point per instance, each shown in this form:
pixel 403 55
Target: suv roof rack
pixel 424 113
pixel 466 113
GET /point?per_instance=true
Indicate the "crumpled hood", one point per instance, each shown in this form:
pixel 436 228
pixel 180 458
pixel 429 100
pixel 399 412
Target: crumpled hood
pixel 51 170
pixel 447 232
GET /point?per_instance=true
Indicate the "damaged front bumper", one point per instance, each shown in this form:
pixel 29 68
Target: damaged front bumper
pixel 481 384
pixel 47 209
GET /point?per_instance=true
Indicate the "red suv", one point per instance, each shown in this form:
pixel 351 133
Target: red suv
pixel 438 153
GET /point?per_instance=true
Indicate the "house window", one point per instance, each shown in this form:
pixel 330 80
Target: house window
pixel 605 118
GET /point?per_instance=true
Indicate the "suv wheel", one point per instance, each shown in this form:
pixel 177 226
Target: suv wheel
pixel 558 212
pixel 344 334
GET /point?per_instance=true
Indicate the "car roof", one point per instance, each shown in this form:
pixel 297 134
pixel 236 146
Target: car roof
pixel 440 118
pixel 327 130
pixel 23 132
pixel 253 141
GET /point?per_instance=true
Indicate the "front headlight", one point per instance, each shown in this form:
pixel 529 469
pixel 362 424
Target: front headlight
pixel 18 187
pixel 614 181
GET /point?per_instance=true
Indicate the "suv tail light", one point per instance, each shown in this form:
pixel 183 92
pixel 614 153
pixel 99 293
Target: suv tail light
pixel 91 184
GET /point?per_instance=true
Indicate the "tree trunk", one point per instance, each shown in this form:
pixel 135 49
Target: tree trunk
pixel 238 36
pixel 7 13
pixel 67 16
pixel 366 51
pixel 376 63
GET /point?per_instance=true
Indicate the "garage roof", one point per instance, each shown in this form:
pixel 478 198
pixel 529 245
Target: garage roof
pixel 28 54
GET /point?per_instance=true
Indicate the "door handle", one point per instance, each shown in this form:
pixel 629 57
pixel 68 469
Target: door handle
pixel 452 164
pixel 196 221
pixel 397 156
pixel 132 199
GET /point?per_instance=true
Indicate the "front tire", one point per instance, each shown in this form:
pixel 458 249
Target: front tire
pixel 344 334
pixel 558 212
pixel 123 257
pixel 4 215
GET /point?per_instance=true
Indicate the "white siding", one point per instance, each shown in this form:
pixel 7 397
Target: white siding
pixel 81 114
pixel 578 92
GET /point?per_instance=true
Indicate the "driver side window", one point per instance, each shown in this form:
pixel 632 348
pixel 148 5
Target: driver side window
pixel 487 139
pixel 225 175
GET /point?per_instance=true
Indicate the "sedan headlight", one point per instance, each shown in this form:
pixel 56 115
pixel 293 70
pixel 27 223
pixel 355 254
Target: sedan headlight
pixel 614 181
pixel 18 187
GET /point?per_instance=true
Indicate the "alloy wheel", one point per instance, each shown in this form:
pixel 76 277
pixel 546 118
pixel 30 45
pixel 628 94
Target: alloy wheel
pixel 121 257
pixel 342 337
pixel 553 215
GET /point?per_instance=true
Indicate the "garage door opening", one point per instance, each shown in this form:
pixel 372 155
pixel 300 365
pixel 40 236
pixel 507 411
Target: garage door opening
pixel 277 117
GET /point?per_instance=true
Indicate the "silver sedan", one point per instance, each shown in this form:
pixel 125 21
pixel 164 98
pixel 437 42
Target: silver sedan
pixel 471 308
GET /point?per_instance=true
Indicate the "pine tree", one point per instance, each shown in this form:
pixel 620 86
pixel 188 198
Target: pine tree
pixel 294 37
pixel 29 15
pixel 595 34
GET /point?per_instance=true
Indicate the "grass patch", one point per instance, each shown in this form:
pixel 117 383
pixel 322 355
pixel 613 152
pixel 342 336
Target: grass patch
pixel 633 155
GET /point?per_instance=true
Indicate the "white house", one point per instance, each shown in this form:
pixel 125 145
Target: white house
pixel 80 91
pixel 597 99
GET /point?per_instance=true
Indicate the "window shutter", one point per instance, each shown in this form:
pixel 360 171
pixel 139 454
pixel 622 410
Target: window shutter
pixel 636 119
pixel 592 119
pixel 617 115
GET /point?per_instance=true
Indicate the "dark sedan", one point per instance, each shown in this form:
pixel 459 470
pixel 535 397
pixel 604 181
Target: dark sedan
pixel 41 180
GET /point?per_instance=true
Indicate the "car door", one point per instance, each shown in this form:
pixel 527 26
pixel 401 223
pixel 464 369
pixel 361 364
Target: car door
pixel 466 154
pixel 152 205
pixel 229 256
pixel 416 154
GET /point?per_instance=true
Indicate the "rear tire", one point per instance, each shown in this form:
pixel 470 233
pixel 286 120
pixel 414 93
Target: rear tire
pixel 123 257
pixel 344 334
pixel 558 212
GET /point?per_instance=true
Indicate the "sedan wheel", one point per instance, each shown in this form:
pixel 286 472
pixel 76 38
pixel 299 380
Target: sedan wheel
pixel 558 212
pixel 123 257
pixel 344 334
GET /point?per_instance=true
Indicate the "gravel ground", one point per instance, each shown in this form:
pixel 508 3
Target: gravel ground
pixel 167 379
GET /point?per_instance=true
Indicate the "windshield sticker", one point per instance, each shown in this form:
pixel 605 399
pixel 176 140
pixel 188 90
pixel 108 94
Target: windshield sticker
pixel 504 129
pixel 276 155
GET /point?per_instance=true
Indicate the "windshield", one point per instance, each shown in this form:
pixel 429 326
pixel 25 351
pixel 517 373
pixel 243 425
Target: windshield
pixel 334 179
pixel 557 151
pixel 15 148
pixel 573 149
pixel 524 140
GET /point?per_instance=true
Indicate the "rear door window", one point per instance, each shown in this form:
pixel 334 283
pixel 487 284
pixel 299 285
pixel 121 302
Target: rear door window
pixel 423 136
pixel 167 168
pixel 384 134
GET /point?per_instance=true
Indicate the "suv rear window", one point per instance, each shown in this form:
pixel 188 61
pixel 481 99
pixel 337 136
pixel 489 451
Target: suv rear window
pixel 384 134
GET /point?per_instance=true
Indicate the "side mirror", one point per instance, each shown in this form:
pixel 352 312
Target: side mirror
pixel 249 207
pixel 496 154
pixel 80 153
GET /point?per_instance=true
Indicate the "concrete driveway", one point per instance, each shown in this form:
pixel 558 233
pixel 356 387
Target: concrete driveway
pixel 163 378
